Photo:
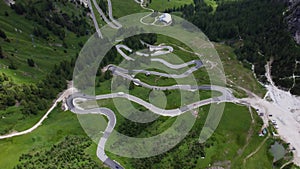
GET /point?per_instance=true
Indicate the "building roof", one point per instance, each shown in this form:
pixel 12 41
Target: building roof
pixel 165 18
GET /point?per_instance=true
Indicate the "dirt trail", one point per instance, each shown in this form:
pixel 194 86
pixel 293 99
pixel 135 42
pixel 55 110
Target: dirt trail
pixel 249 135
pixel 258 148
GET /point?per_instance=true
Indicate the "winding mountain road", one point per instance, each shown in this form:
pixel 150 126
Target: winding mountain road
pixel 226 96
pixel 113 23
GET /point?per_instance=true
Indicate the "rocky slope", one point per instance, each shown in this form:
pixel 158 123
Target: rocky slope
pixel 293 19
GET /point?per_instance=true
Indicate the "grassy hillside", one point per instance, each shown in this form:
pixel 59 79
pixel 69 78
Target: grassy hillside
pixel 258 32
pixel 127 7
pixel 235 138
pixel 24 45
pixel 228 146
pixel 32 53
pixel 225 145
pixel 236 72
pixel 57 126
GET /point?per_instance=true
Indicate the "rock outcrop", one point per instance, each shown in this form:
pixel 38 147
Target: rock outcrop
pixel 293 19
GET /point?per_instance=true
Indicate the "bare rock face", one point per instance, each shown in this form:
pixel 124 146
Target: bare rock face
pixel 293 19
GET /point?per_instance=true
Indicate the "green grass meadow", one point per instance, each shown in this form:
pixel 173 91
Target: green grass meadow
pixel 58 125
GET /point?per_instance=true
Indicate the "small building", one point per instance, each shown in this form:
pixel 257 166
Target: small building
pixel 166 18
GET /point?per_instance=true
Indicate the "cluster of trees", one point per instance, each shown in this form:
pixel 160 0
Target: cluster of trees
pixel 69 153
pixel 12 65
pixel 56 81
pixel 35 97
pixel 184 155
pixel 134 129
pixel 2 34
pixel 30 62
pixel 103 6
pixel 177 157
pixel 1 53
pixel 111 57
pixel 47 16
pixel 39 31
pixel 256 29
pixel 5 91
pixel 134 41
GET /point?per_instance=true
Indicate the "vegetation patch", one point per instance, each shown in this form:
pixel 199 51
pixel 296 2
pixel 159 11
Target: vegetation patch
pixel 69 153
